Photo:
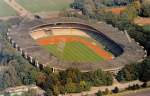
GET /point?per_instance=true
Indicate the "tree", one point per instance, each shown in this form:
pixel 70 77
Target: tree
pixel 144 70
pixel 106 92
pixel 116 90
pixel 70 87
pixel 128 73
pixel 131 12
pixel 84 86
pixel 99 93
pixel 146 8
pixel 48 70
pixel 73 74
pixel 41 79
pixel 144 85
pixel 49 92
pixel 56 90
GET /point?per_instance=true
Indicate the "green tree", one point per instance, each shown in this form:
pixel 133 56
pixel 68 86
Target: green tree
pixel 84 86
pixel 56 90
pixel 144 70
pixel 41 79
pixel 106 92
pixel 128 73
pixel 49 92
pixel 99 93
pixel 146 8
pixel 70 87
pixel 131 12
pixel 48 70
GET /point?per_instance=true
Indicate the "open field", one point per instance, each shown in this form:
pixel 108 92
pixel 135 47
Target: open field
pixel 5 10
pixel 74 48
pixel 44 5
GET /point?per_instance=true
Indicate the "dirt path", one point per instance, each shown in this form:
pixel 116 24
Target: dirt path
pixel 142 21
pixel 21 11
pixel 115 10
pixel 91 45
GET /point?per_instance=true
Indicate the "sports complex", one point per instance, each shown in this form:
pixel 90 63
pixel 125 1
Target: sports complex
pixel 72 42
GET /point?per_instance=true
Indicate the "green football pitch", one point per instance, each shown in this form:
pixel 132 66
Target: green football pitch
pixel 44 5
pixel 6 10
pixel 74 52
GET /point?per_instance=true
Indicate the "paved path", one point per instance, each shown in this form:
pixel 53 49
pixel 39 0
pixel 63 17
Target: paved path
pixel 21 11
pixel 94 90
pixel 141 92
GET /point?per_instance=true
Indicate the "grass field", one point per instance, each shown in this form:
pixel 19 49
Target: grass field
pixel 6 10
pixel 44 5
pixel 74 51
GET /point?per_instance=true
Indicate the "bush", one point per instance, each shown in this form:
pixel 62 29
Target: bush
pixel 106 92
pixel 99 93
pixel 144 85
pixel 146 8
pixel 116 90
pixel 133 87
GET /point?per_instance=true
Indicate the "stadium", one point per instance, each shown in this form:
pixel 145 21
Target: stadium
pixel 64 42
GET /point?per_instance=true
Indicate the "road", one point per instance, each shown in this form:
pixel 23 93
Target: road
pixel 142 92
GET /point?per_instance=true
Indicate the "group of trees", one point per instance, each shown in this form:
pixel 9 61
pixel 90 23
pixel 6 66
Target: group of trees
pixel 8 76
pixel 106 92
pixel 71 80
pixel 113 2
pixel 139 71
pixel 145 8
pixel 88 7
pixel 79 4
pixel 133 7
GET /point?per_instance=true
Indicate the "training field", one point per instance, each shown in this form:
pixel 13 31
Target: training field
pixel 74 48
pixel 5 10
pixel 44 5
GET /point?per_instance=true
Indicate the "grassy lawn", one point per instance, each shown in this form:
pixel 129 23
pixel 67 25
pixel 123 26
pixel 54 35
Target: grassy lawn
pixel 74 51
pixel 146 28
pixel 44 5
pixel 6 10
